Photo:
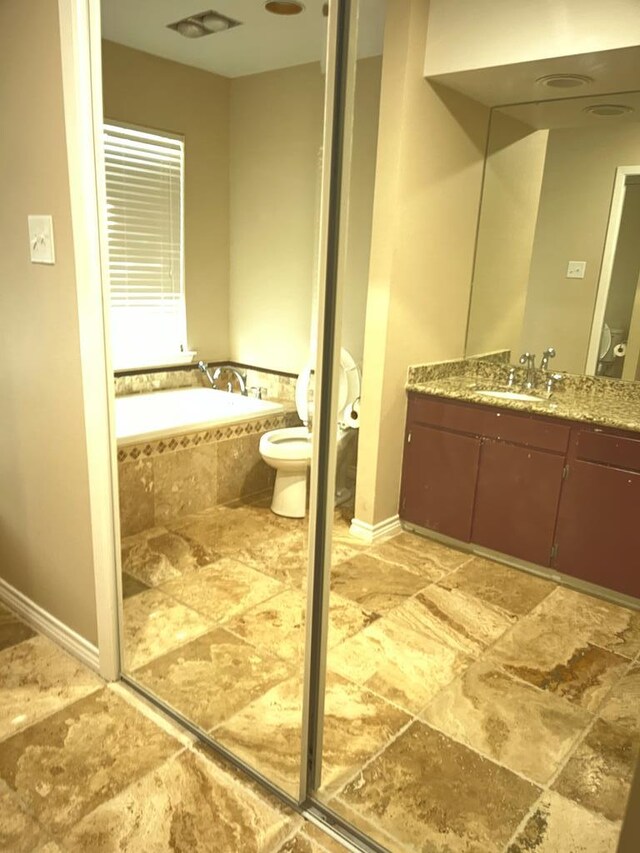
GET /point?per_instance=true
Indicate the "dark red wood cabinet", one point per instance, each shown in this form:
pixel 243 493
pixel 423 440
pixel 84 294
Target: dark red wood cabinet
pixel 517 500
pixel 598 531
pixel 440 472
pixel 544 490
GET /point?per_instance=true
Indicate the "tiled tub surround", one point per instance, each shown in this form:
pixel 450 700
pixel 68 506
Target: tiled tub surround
pixel 470 706
pixel 164 478
pixel 590 399
pixel 280 387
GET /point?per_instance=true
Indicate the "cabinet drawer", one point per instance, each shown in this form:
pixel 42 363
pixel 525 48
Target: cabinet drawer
pixel 615 450
pixel 458 417
pixel 528 431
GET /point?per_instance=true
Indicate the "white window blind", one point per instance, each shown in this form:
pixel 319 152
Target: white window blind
pixel 145 176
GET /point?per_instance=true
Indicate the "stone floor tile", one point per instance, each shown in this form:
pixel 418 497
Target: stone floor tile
pixel 598 775
pixel 68 764
pixel 560 826
pixel 187 805
pixel 37 679
pixel 154 624
pixel 213 677
pixel 523 728
pixel 512 590
pixel 267 734
pixel 432 793
pixel 12 629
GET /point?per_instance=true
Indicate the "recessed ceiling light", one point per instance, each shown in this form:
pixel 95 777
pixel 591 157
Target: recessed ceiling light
pixel 203 24
pixel 215 23
pixel 284 7
pixel 564 81
pixel 608 109
pixel 190 29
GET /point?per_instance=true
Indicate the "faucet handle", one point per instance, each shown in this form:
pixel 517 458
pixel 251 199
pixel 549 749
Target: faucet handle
pixel 528 358
pixel 552 380
pixel 511 380
pixel 550 352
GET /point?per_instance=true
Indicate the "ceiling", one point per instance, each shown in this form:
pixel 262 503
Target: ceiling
pixel 570 112
pixel 264 42
pixel 610 70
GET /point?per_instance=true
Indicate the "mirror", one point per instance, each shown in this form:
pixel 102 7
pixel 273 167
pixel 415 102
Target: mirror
pixel 214 171
pixel 248 103
pixel 557 259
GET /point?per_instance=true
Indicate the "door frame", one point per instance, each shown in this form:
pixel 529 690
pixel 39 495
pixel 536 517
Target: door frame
pixel 79 22
pixel 608 259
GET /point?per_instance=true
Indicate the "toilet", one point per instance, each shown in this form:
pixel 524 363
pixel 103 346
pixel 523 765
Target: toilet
pixel 289 450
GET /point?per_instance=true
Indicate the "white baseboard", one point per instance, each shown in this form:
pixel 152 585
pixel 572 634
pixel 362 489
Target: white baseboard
pixel 374 532
pixel 46 624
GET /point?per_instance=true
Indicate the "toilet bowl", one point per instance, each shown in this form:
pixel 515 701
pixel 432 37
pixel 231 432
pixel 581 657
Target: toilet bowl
pixel 289 450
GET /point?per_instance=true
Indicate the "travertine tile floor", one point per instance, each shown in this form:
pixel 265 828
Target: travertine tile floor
pixel 469 706
pixel 89 767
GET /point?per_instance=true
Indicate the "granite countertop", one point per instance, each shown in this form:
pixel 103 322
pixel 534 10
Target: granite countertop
pixel 605 402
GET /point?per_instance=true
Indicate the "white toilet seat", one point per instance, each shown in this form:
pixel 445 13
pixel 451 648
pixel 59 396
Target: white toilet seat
pixel 290 444
pixel 289 450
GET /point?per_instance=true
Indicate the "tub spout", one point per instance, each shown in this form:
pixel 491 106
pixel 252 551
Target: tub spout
pixel 241 377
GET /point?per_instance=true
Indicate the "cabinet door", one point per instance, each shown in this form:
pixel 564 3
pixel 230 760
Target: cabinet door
pixel 598 532
pixel 517 500
pixel 439 480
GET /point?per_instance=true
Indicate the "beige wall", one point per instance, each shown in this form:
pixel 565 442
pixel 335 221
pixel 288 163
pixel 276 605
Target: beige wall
pixel 143 89
pixel 276 133
pixel 510 198
pixel 276 136
pixel 467 34
pixel 363 175
pixel 45 532
pixel 572 223
pixel 428 180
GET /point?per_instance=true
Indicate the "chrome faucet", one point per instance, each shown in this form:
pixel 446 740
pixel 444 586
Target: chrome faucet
pixel 203 367
pixel 529 359
pixel 546 355
pixel 241 377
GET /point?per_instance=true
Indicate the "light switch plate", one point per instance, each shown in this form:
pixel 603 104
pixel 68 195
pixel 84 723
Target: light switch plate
pixel 576 269
pixel 41 240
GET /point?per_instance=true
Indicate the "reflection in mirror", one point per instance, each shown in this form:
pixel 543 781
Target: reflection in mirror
pixel 547 228
pixel 214 167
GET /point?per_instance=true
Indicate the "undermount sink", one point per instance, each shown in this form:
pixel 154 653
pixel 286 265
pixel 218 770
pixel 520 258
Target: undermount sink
pixel 511 395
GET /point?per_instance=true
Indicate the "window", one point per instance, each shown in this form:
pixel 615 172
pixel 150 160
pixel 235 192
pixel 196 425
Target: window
pixel 145 178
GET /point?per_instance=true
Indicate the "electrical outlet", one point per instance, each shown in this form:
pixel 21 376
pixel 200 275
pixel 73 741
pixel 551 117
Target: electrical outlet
pixel 576 269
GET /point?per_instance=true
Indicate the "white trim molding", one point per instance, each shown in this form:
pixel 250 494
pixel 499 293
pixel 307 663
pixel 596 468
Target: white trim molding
pixel 82 86
pixel 374 532
pixel 40 619
pixel 608 258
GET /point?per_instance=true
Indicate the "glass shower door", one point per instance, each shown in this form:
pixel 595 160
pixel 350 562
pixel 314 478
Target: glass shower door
pixel 213 574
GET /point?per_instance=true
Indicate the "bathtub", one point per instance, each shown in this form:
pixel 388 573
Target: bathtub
pixel 142 417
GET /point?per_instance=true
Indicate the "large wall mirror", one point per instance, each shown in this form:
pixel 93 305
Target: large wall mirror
pixel 247 102
pixel 558 257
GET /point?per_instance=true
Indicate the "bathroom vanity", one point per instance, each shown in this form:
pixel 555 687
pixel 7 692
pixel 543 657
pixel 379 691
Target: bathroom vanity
pixel 545 483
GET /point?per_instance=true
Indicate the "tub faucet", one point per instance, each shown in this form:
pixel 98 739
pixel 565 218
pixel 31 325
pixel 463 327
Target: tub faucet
pixel 241 377
pixel 203 367
pixel 529 359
